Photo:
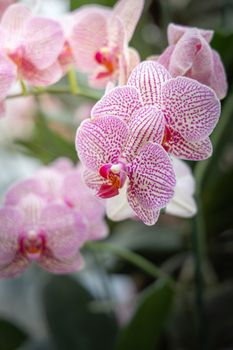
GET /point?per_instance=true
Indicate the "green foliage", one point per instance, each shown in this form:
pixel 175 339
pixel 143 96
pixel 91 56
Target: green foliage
pixel 72 322
pixel 74 4
pixel 11 336
pixel 144 330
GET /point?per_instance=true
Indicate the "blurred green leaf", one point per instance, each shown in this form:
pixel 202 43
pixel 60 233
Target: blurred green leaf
pixel 73 324
pixel 74 4
pixel 221 43
pixel 48 145
pixel 137 236
pixel 11 337
pixel 144 330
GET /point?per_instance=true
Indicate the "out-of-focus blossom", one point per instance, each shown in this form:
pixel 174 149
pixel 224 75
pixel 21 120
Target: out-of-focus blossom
pixel 30 46
pixel 114 156
pixel 83 112
pixel 34 230
pixel 186 110
pixel 182 203
pixel 99 41
pixel 19 121
pixel 47 218
pixel 190 54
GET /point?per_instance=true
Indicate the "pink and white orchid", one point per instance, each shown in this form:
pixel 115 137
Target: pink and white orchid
pixel 29 48
pixel 189 54
pixel 114 156
pixel 182 203
pixel 186 110
pixel 99 41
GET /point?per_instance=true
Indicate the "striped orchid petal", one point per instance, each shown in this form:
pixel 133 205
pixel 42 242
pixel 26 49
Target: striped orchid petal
pixel 129 11
pixel 57 266
pixel 148 77
pixel 89 34
pixel 179 147
pixel 101 141
pixel 146 124
pixel 120 102
pixel 148 216
pixel 151 177
pixel 191 108
pixel 10 226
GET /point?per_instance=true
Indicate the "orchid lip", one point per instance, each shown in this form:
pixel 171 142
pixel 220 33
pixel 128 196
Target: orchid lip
pixel 32 244
pixel 115 174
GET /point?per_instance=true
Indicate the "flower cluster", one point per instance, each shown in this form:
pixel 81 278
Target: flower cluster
pixel 135 127
pixel 45 220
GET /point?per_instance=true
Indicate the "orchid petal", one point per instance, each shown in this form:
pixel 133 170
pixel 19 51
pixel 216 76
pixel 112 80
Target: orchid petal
pixel 183 203
pixel 190 107
pixel 98 230
pixel 152 178
pixel 146 124
pixel 218 80
pixel 148 77
pixel 89 35
pixel 118 207
pixel 7 76
pixel 13 23
pixel 54 265
pixel 175 32
pixel 179 147
pixel 14 268
pixel 165 57
pixel 65 232
pixel 43 77
pixel 148 216
pixel 16 193
pixel 10 226
pixel 101 141
pixel 120 102
pixel 43 41
pixel 129 11
pixel 116 34
pixel 93 180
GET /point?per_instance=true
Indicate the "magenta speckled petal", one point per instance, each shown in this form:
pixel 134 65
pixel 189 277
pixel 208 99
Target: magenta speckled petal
pixel 183 149
pixel 148 77
pixel 190 108
pixel 101 141
pixel 148 216
pixel 152 178
pixel 147 124
pixel 10 226
pixel 93 180
pixel 64 234
pixel 54 265
pixel 43 41
pixel 120 102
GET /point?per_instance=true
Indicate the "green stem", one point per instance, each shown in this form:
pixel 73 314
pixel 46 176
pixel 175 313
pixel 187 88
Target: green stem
pixel 58 90
pixel 131 257
pixel 73 81
pixel 23 88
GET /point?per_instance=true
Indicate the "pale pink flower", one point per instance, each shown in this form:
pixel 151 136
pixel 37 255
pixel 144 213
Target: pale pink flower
pixel 114 156
pixel 4 4
pixel 190 54
pixel 30 45
pixel 99 41
pixel 186 109
pixel 33 230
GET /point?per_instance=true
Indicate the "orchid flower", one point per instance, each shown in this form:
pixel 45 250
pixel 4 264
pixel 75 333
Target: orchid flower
pixel 36 231
pixel 190 54
pixel 188 110
pixel 4 4
pixel 182 203
pixel 30 46
pixel 99 41
pixel 114 156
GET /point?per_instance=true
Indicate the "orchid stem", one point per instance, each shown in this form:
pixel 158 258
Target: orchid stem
pixel 23 88
pixel 131 257
pixel 73 81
